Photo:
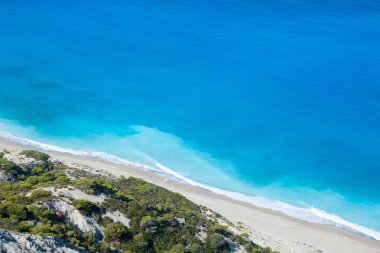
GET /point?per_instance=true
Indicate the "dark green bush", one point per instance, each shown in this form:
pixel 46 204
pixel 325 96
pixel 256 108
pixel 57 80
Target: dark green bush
pixel 12 210
pixel 85 207
pixel 25 226
pixel 116 232
pixel 39 156
pixel 37 171
pixel 40 194
pixel 218 243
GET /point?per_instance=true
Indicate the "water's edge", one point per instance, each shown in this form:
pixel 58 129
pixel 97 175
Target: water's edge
pixel 312 214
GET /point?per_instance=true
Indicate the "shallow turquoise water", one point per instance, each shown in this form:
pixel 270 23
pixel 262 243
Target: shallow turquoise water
pixel 278 98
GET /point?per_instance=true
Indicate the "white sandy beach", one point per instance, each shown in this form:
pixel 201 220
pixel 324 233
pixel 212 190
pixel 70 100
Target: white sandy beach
pixel 266 227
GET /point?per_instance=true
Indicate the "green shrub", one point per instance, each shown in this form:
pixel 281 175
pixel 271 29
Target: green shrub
pixel 39 156
pixel 116 232
pixel 43 214
pixel 41 195
pixel 25 226
pixel 178 248
pixel 85 207
pixel 10 167
pixel 145 220
pixel 48 229
pixel 12 210
pixel 244 234
pixel 105 221
pixel 140 241
pixel 46 177
pixel 5 164
pixel 220 229
pixel 62 179
pixel 37 171
pixel 267 250
pixel 195 248
pixel 218 243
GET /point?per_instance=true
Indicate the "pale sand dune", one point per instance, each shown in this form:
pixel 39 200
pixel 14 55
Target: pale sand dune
pixel 266 227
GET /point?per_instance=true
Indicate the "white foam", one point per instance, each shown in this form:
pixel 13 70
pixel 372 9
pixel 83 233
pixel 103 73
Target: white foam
pixel 309 214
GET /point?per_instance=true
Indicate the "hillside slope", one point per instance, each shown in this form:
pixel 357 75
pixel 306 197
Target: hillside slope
pixel 49 206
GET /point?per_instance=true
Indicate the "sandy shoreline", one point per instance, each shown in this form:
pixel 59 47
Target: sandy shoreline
pixel 268 228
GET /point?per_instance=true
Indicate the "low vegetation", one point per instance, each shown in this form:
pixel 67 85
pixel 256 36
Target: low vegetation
pixel 159 220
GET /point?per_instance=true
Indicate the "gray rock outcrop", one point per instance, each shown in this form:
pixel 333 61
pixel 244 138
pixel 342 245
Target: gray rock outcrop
pixel 11 242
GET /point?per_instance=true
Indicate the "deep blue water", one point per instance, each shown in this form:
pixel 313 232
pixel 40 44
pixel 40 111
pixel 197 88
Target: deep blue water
pixel 276 98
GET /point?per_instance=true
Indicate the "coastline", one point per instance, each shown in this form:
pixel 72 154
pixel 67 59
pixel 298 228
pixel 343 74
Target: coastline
pixel 269 228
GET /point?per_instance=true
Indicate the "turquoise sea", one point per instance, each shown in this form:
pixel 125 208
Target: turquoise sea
pixel 277 101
